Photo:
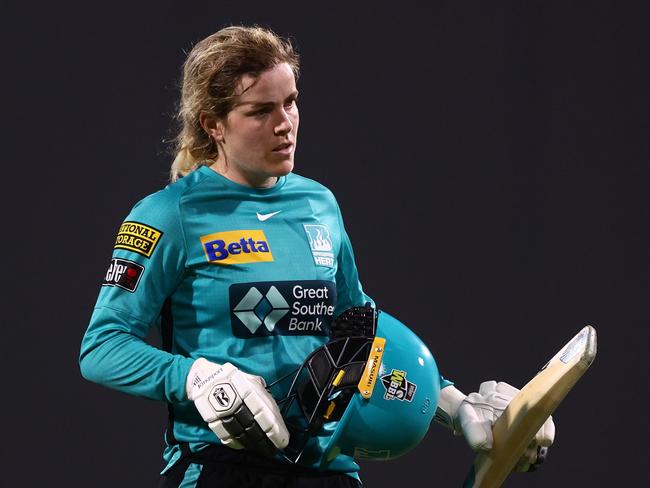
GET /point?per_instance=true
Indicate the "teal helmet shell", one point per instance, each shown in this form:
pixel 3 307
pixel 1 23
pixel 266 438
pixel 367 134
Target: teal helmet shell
pixel 402 390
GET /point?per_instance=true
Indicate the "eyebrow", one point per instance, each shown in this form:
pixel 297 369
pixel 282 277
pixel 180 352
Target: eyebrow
pixel 266 104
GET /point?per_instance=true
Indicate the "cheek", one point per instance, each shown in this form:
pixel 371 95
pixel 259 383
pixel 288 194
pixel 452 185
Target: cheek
pixel 249 139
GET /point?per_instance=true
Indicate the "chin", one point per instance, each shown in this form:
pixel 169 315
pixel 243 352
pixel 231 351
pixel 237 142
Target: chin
pixel 284 168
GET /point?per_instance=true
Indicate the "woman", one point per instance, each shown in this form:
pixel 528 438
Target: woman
pixel 243 265
pixel 221 259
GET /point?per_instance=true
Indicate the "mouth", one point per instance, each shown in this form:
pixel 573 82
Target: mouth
pixel 284 148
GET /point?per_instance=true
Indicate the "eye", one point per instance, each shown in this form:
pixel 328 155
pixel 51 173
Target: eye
pixel 259 113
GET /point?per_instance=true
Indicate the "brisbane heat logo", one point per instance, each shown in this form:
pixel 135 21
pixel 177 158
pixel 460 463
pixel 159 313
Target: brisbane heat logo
pixel 320 243
pixel 236 247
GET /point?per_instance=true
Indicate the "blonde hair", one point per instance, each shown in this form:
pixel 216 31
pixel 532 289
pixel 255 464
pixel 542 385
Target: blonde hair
pixel 211 73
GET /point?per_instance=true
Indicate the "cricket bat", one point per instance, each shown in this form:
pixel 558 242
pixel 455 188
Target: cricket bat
pixel 530 408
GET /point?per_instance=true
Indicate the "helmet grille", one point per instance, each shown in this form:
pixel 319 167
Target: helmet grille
pixel 328 379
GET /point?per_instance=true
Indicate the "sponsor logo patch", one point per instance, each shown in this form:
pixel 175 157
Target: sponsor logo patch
pixel 282 308
pixel 369 377
pixel 397 386
pixel 236 247
pixel 222 396
pixel 320 243
pixel 124 274
pixel 138 237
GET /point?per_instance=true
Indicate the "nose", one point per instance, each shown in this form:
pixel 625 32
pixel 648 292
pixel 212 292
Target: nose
pixel 284 125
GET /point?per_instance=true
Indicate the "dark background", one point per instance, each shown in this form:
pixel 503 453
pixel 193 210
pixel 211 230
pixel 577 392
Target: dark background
pixel 491 161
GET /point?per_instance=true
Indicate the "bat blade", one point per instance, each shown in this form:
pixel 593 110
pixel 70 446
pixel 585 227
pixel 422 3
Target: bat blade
pixel 530 408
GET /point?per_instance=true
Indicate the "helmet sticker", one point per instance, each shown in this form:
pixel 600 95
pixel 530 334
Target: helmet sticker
pixel 397 386
pixel 361 454
pixel 369 377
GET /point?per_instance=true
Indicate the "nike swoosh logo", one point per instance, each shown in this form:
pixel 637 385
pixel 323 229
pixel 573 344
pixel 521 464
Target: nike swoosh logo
pixel 263 217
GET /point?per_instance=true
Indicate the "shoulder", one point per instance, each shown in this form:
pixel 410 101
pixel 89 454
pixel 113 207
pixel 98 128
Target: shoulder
pixel 161 208
pixel 307 184
pixel 168 198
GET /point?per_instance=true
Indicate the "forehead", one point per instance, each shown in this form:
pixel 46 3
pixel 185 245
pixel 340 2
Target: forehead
pixel 277 82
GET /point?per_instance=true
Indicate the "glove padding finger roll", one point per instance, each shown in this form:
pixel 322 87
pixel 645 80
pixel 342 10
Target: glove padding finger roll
pixel 532 458
pixel 479 411
pixel 237 407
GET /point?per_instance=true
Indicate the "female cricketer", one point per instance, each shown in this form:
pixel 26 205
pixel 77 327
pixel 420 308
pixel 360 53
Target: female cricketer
pixel 243 265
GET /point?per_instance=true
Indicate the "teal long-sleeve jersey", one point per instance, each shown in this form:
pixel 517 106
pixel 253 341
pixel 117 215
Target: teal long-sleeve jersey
pixel 230 273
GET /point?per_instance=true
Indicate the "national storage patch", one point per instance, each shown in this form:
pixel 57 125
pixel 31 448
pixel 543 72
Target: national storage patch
pixel 236 247
pixel 138 237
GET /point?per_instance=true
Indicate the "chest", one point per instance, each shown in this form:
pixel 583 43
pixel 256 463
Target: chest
pixel 258 240
pixel 270 266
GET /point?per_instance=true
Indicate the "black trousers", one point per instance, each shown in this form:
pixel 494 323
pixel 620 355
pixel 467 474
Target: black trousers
pixel 222 467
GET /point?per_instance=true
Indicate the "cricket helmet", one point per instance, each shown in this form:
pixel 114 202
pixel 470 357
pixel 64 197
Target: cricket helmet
pixel 373 389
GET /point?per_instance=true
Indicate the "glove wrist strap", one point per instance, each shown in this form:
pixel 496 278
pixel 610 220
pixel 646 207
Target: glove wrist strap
pixel 447 411
pixel 201 371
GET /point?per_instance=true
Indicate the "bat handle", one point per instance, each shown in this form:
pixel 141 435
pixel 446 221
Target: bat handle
pixel 469 479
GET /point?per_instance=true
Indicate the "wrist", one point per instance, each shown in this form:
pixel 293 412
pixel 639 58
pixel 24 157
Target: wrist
pixel 449 402
pixel 201 372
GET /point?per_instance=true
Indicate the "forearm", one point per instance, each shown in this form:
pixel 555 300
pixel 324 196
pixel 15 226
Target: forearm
pixel 114 354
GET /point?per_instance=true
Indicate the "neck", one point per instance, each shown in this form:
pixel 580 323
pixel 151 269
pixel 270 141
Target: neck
pixel 243 179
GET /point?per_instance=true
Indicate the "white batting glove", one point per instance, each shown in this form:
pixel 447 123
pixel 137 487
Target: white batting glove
pixel 237 407
pixel 474 415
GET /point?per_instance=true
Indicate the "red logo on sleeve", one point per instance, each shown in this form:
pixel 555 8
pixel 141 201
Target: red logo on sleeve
pixel 124 274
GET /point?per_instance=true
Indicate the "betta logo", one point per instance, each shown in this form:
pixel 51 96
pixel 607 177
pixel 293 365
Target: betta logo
pixel 236 247
pixel 124 274
pixel 397 386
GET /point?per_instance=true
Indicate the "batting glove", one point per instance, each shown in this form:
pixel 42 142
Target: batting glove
pixel 474 415
pixel 237 407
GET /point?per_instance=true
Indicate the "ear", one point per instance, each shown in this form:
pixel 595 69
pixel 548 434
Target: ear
pixel 212 125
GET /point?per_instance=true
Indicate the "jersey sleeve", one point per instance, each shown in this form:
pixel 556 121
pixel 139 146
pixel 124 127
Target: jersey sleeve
pixel 147 265
pixel 348 286
pixel 444 382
